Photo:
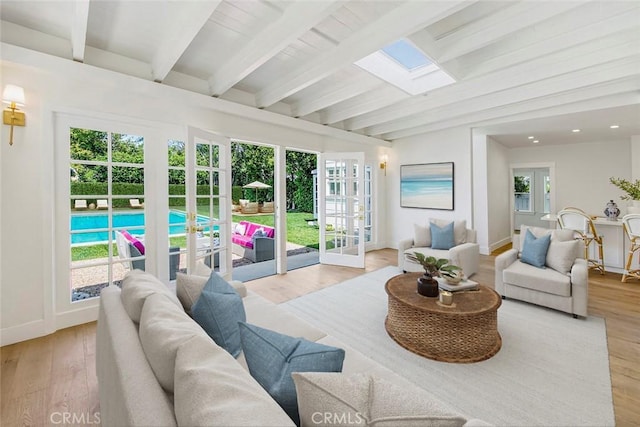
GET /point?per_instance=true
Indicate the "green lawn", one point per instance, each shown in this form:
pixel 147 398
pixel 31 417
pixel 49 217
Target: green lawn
pixel 297 232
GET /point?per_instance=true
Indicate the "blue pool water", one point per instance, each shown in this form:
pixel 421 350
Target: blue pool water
pixel 133 222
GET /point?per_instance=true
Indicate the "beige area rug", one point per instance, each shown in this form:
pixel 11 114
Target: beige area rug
pixel 552 370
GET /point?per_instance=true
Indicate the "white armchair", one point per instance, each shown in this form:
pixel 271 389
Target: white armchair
pixel 465 254
pixel 563 285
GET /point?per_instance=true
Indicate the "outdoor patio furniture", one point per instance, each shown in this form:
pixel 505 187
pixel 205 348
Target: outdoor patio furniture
pixel 80 204
pixel 102 204
pixel 253 241
pixel 131 247
pixel 250 208
pixel 267 207
pixel 135 204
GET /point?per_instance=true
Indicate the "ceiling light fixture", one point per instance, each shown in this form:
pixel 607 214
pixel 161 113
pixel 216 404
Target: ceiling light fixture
pixel 535 141
pixel 530 137
pixel 614 126
pixel 575 130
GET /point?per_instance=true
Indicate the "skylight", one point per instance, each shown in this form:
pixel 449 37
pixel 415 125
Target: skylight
pixel 405 66
pixel 406 55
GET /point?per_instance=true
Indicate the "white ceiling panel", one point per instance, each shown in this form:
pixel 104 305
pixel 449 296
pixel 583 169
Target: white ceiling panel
pixel 510 59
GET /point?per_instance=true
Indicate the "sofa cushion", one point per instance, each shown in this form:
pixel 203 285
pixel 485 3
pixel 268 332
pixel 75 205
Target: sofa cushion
pixel 562 255
pixel 556 234
pixel 240 228
pixel 544 280
pixel 133 241
pixel 362 399
pixel 190 286
pixel 163 327
pixel 218 310
pixel 422 235
pixel 272 357
pixel 136 286
pixel 459 229
pixel 244 241
pixel 442 237
pixel 437 253
pixel 534 251
pixel 211 389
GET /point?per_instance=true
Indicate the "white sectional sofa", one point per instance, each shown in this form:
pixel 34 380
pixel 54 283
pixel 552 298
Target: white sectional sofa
pixel 139 325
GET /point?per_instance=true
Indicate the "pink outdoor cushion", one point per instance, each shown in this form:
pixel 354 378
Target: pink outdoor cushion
pixel 135 242
pixel 245 241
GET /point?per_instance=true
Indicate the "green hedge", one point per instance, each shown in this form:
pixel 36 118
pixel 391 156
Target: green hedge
pixel 121 188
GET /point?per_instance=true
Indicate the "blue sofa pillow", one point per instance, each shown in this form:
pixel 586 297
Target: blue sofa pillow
pixel 218 310
pixel 442 237
pixel 272 357
pixel 534 250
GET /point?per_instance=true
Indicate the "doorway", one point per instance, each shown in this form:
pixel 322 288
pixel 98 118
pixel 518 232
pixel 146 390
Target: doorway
pixel 532 196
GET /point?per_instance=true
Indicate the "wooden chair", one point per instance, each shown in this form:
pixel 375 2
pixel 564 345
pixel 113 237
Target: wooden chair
pixel 631 225
pixel 583 226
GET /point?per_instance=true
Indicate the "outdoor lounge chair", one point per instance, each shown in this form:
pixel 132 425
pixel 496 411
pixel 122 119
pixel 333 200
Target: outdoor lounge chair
pixel 80 204
pixel 135 204
pixel 102 204
pixel 250 208
pixel 267 207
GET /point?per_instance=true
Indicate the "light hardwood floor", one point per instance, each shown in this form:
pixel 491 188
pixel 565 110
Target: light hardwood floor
pixel 47 376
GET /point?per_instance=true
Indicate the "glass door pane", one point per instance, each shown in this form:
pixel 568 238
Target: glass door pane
pixel 342 209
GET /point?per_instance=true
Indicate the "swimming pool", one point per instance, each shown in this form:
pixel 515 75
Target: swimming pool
pixel 133 221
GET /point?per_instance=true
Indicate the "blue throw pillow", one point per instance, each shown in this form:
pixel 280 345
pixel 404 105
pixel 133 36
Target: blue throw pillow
pixel 218 310
pixel 534 250
pixel 442 237
pixel 272 357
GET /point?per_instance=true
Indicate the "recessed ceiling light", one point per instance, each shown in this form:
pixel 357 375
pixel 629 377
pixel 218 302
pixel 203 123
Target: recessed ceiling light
pixel 530 137
pixel 575 130
pixel 614 126
pixel 535 141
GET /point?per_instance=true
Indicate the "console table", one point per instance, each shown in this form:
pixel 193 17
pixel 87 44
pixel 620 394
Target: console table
pixel 466 331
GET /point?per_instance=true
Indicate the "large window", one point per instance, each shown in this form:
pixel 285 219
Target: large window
pixel 522 193
pixel 106 209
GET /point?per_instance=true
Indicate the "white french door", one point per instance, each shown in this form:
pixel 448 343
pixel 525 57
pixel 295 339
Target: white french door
pixel 208 220
pixel 341 209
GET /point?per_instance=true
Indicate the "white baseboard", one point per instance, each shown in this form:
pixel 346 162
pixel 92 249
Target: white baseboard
pixel 38 328
pixel 499 244
pixel 77 317
pixel 24 332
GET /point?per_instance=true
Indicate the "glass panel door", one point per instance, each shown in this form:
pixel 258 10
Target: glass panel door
pixel 106 230
pixel 342 209
pixel 208 219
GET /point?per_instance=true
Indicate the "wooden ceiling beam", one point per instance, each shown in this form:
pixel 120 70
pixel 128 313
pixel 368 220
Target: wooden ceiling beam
pixel 185 24
pixel 297 19
pixel 399 22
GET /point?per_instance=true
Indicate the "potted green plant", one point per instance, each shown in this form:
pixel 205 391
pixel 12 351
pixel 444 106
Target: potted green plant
pixel 433 267
pixel 632 190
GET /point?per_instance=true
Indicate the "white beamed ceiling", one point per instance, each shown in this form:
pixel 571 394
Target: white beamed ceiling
pixel 540 67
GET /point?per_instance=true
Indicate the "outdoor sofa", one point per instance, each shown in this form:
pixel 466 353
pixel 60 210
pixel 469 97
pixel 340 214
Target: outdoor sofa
pixel 253 241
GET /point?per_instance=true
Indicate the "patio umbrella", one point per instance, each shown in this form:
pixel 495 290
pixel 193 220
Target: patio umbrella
pixel 256 185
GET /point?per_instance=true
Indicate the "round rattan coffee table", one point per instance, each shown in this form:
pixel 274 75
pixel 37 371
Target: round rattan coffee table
pixel 466 331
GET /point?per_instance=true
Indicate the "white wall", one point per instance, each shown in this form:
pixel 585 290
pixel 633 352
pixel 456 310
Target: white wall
pixel 452 145
pixel 27 272
pixel 499 189
pixel 583 171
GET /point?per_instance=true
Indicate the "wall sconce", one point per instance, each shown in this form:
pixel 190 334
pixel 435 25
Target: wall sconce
pixel 383 163
pixel 14 96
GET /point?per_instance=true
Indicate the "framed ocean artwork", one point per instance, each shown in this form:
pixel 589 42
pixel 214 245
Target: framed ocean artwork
pixel 427 186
